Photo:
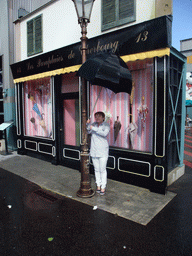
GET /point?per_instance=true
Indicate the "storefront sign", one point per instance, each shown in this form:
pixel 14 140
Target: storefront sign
pixel 146 36
pixel 189 59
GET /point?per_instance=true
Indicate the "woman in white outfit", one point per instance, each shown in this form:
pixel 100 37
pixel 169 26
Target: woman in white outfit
pixel 99 150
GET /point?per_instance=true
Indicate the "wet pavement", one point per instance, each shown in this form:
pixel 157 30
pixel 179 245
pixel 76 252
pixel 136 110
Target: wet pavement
pixel 127 201
pixel 35 221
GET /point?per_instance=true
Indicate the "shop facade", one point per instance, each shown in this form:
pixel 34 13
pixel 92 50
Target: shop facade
pixel 147 127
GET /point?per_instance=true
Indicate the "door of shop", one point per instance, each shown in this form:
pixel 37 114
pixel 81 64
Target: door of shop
pixel 70 130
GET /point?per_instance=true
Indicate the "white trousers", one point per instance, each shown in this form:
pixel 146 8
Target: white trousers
pixel 100 164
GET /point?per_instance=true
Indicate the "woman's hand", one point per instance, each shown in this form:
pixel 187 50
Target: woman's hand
pixel 88 122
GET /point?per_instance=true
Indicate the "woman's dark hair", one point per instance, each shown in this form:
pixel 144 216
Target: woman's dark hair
pixel 100 113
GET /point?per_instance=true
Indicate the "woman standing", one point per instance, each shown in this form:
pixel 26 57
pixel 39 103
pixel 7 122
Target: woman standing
pixel 99 150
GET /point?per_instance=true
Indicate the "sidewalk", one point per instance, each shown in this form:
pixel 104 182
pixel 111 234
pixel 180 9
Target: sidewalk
pixel 128 201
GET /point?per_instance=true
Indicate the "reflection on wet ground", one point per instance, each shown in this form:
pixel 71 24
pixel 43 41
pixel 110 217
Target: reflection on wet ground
pixel 37 222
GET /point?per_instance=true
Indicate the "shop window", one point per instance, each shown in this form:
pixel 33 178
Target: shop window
pixel 117 12
pixel 130 117
pixel 38 108
pixel 34 36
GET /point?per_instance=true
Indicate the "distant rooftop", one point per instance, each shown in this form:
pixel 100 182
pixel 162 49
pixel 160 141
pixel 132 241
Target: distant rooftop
pixel 186 40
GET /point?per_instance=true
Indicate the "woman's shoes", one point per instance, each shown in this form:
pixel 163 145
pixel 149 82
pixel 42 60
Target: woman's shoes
pixel 98 190
pixel 102 192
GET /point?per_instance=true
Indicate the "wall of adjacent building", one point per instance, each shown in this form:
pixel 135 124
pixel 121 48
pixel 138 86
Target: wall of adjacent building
pixel 60 25
pixel 9 13
pixel 186 49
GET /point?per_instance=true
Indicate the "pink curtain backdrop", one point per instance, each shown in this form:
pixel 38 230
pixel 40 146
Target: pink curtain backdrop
pixel 119 105
pixel 38 107
pixel 69 122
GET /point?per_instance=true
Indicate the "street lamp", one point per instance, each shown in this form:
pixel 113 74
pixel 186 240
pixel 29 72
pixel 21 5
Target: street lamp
pixel 83 9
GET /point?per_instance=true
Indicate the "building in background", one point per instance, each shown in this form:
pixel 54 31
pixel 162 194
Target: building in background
pixel 186 49
pixel 10 10
pixel 148 149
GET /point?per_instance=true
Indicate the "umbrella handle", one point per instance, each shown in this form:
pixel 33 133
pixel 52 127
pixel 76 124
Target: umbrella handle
pixel 95 103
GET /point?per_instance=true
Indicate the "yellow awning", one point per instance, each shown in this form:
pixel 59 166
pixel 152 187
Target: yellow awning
pixel 146 55
pixel 48 73
pixel 126 58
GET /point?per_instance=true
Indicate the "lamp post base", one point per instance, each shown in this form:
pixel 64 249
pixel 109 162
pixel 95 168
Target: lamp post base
pixel 85 189
pixel 85 192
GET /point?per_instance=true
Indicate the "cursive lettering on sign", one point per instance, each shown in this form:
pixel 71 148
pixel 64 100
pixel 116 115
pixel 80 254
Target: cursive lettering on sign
pixel 103 47
pixel 71 55
pixel 49 61
pixel 29 66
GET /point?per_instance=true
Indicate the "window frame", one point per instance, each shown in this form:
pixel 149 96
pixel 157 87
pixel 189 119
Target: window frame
pixel 117 22
pixel 35 49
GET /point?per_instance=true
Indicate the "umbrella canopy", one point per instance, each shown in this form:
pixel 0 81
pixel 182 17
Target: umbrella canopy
pixel 108 70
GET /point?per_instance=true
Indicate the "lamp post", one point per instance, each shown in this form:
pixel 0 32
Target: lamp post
pixel 83 9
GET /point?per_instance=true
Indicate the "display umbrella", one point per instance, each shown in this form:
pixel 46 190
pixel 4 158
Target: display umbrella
pixel 108 70
pixel 188 103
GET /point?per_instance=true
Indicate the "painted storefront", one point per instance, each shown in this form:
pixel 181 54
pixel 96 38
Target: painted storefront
pixel 146 136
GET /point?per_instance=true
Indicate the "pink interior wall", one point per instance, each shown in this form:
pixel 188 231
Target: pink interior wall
pixel 69 122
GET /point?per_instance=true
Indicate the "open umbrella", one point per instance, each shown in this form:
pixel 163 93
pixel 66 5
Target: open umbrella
pixel 108 70
pixel 36 109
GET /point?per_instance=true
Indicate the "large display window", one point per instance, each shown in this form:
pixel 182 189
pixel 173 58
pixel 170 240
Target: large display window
pixel 130 116
pixel 38 108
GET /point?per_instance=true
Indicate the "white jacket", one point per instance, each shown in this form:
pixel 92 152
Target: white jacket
pixel 99 143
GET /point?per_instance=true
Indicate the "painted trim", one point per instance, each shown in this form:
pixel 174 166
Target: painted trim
pixel 163 170
pixel 174 109
pixel 137 162
pixel 71 157
pixel 164 116
pixel 183 113
pixel 30 148
pixel 40 143
pixel 53 107
pixel 112 168
pixel 155 107
pixel 18 109
pixel 19 144
pixel 54 151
